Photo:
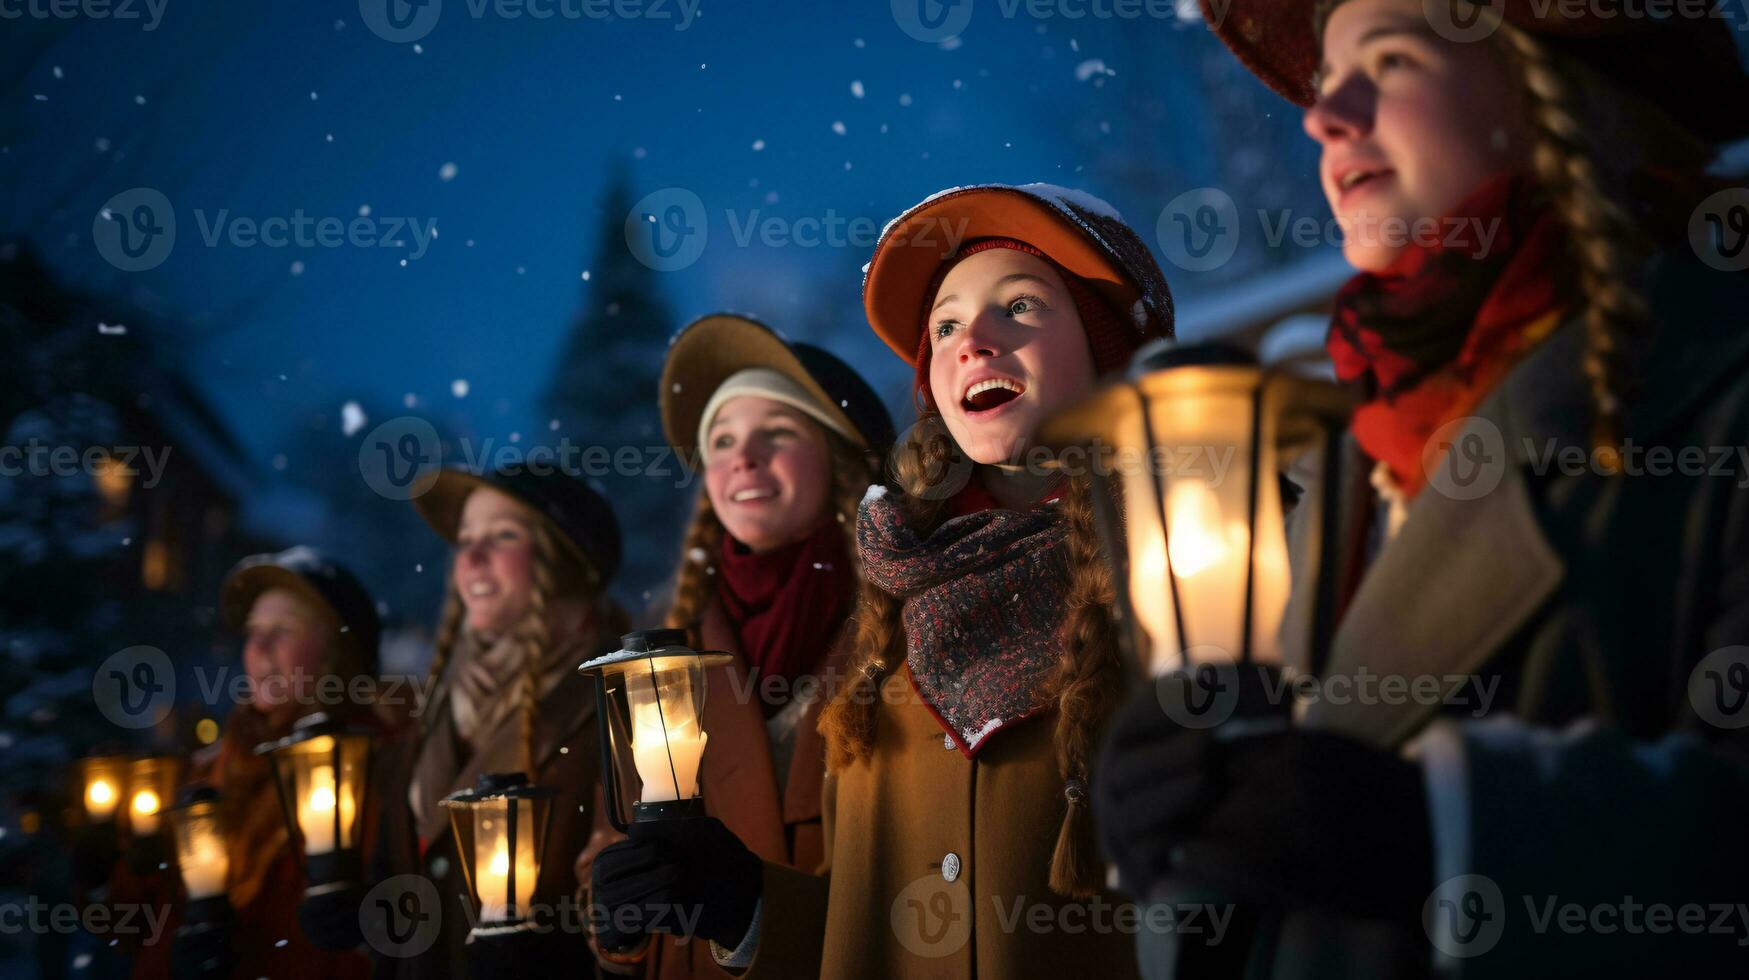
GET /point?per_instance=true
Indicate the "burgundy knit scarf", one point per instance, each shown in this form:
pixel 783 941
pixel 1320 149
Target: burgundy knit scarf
pixel 983 605
pixel 786 605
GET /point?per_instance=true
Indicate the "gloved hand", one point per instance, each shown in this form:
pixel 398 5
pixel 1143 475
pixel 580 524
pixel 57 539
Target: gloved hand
pixel 202 951
pixel 1288 817
pixel 683 877
pixel 330 920
pixel 524 953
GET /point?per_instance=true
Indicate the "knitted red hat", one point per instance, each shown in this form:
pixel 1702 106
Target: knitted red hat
pixel 1110 339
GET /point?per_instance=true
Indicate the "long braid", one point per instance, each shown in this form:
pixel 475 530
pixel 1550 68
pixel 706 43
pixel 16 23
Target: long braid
pixel 1088 684
pixel 693 583
pixel 848 721
pixel 449 630
pixel 534 633
pixel 1606 244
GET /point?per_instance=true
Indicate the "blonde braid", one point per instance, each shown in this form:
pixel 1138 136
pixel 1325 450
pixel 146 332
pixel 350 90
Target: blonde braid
pixel 534 633
pixel 449 629
pixel 1606 244
pixel 693 585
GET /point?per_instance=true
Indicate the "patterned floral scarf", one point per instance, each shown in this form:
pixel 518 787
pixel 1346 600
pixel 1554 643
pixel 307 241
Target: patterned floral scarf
pixel 983 608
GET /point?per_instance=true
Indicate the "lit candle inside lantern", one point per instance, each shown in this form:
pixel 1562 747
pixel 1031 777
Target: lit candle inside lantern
pixel 492 861
pixel 204 866
pixel 101 798
pixel 667 742
pixel 316 810
pixel 143 812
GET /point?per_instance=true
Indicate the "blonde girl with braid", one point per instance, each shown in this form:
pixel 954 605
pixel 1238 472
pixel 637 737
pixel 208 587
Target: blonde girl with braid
pixel 983 661
pixel 534 552
pixel 1518 536
pixel 786 439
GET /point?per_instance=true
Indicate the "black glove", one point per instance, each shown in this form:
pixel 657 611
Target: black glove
pixel 1289 817
pixel 202 951
pixel 330 920
pixel 524 954
pixel 683 877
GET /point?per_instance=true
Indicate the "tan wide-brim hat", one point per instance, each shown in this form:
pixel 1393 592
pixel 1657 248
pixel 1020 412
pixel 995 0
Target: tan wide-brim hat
pixel 715 348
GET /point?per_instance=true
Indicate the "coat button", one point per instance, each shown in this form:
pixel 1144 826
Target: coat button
pixel 947 741
pixel 950 866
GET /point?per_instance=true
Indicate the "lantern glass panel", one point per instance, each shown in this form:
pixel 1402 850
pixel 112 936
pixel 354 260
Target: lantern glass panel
pixel 501 837
pixel 103 784
pixel 201 856
pixel 323 779
pixel 151 788
pixel 664 698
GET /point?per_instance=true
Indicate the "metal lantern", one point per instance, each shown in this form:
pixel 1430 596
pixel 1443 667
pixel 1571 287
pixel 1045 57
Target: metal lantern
pixel 103 781
pixel 650 706
pixel 500 833
pixel 151 788
pixel 322 771
pixel 202 858
pixel 1198 435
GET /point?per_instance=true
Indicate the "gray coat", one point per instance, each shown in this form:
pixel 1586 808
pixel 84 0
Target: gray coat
pixel 1587 757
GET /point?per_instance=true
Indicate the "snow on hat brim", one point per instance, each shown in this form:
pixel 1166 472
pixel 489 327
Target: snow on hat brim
pixel 712 349
pixel 1669 61
pixel 917 242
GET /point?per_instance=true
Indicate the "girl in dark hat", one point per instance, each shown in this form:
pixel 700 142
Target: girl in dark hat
pixel 787 438
pixel 1580 301
pixel 304 620
pixel 534 551
pixel 983 661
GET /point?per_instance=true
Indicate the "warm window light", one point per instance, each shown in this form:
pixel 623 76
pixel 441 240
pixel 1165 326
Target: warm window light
pixel 103 783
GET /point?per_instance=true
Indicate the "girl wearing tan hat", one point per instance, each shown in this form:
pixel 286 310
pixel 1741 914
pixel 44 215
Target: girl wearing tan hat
pixel 1576 599
pixel 983 662
pixel 788 438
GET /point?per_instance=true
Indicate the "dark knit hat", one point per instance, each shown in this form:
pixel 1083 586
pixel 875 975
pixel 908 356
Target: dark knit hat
pixel 581 519
pixel 1686 64
pixel 320 581
pixel 1110 338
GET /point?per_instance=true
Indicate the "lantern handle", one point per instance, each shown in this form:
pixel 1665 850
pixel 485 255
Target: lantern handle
pixel 609 784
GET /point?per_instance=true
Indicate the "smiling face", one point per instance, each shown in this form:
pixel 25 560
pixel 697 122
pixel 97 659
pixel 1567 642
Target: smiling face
pixel 767 469
pixel 286 644
pixel 494 561
pixel 1410 123
pixel 1007 350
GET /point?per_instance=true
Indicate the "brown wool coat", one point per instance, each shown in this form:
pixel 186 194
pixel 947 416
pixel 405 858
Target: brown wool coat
pixel 739 784
pixel 567 758
pixel 884 907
